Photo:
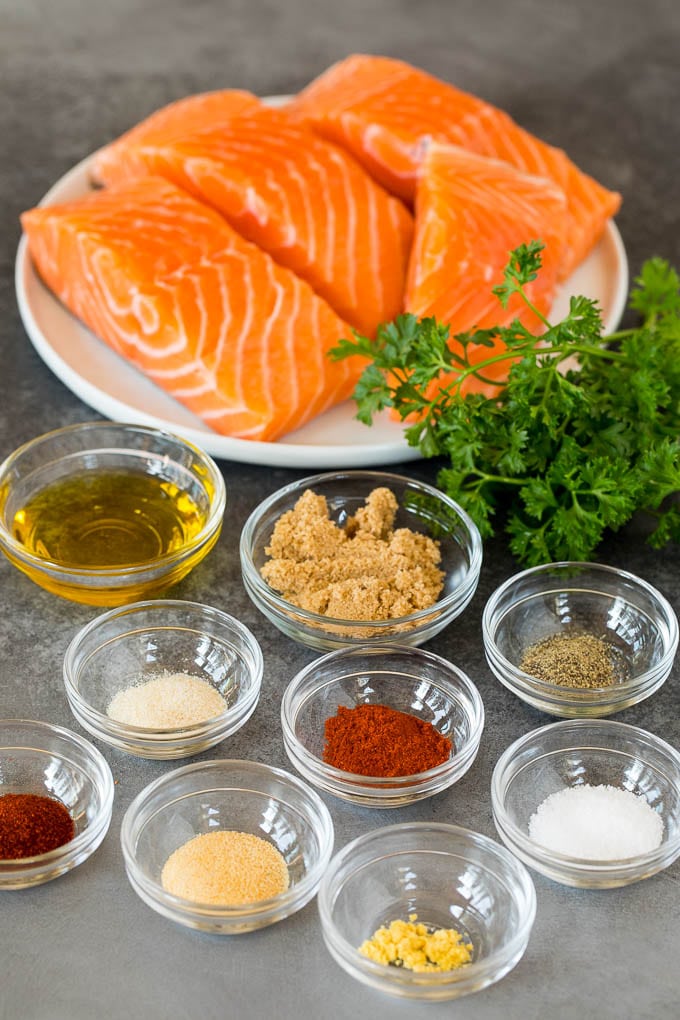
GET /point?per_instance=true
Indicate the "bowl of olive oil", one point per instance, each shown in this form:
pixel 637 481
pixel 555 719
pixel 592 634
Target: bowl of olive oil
pixel 107 514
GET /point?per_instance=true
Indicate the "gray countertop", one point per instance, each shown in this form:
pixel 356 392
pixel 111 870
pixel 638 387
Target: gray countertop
pixel 601 78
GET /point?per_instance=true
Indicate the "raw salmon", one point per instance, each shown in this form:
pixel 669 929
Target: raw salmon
pixel 305 201
pixel 209 317
pixel 205 109
pixel 381 110
pixel 471 212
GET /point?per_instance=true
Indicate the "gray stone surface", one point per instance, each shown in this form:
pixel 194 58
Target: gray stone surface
pixel 599 77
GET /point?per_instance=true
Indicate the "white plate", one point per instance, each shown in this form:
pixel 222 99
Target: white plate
pixel 335 439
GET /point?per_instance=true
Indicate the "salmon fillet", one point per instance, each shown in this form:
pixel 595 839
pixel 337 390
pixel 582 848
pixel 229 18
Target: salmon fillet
pixel 471 212
pixel 303 200
pixel 382 109
pixel 205 109
pixel 209 317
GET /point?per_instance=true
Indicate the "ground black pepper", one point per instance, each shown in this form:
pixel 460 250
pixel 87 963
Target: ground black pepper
pixel 574 660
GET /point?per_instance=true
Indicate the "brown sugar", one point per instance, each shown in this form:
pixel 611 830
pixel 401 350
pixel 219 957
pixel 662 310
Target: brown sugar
pixel 366 570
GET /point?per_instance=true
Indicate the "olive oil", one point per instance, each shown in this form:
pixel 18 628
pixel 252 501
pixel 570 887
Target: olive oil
pixel 102 519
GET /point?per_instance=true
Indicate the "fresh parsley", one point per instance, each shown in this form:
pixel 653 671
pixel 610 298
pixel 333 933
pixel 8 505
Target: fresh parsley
pixel 584 432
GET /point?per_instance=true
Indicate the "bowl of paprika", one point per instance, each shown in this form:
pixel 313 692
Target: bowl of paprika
pixel 56 796
pixel 382 725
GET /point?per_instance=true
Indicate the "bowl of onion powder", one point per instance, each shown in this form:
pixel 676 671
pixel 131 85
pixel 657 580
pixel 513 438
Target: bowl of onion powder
pixel 226 846
pixel 592 804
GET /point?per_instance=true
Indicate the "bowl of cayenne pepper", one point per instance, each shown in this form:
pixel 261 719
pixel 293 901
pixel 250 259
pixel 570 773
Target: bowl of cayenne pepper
pixel 382 725
pixel 56 796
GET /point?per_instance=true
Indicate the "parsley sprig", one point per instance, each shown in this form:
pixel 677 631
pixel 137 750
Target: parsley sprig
pixel 585 431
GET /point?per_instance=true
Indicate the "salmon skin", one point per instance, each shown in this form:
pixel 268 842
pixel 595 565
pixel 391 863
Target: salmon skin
pixel 471 212
pixel 303 200
pixel 381 109
pixel 209 317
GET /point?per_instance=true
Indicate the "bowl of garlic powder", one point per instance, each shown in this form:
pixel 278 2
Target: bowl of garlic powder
pixel 226 846
pixel 163 678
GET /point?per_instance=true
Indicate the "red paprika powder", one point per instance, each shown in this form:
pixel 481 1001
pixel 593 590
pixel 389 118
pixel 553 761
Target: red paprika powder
pixel 31 824
pixel 375 740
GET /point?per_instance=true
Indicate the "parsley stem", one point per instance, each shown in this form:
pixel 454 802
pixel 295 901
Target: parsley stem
pixel 594 350
pixel 501 479
pixel 546 322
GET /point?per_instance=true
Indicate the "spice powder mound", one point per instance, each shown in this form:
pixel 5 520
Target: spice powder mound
pixel 169 701
pixel 31 824
pixel 379 741
pixel 366 570
pixel 225 868
pixel 600 823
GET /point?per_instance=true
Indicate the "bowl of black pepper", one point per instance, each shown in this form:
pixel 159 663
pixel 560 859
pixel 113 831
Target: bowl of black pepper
pixel 579 639
pixel 56 796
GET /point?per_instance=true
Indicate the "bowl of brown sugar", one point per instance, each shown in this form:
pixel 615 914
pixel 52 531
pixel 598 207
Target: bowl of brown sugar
pixel 579 639
pixel 360 557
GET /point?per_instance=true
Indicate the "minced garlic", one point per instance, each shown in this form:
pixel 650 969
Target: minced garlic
pixel 415 946
pixel 365 570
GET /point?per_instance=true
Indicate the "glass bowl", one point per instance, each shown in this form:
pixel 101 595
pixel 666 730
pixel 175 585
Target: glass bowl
pixel 449 877
pixel 407 679
pixel 105 514
pixel 622 610
pixel 50 761
pixel 576 752
pixel 228 794
pixel 422 508
pixel 147 640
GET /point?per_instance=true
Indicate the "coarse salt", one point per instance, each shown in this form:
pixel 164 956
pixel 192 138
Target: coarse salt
pixel 598 823
pixel 167 702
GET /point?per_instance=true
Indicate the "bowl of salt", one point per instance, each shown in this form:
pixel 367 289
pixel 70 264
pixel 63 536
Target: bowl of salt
pixel 591 804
